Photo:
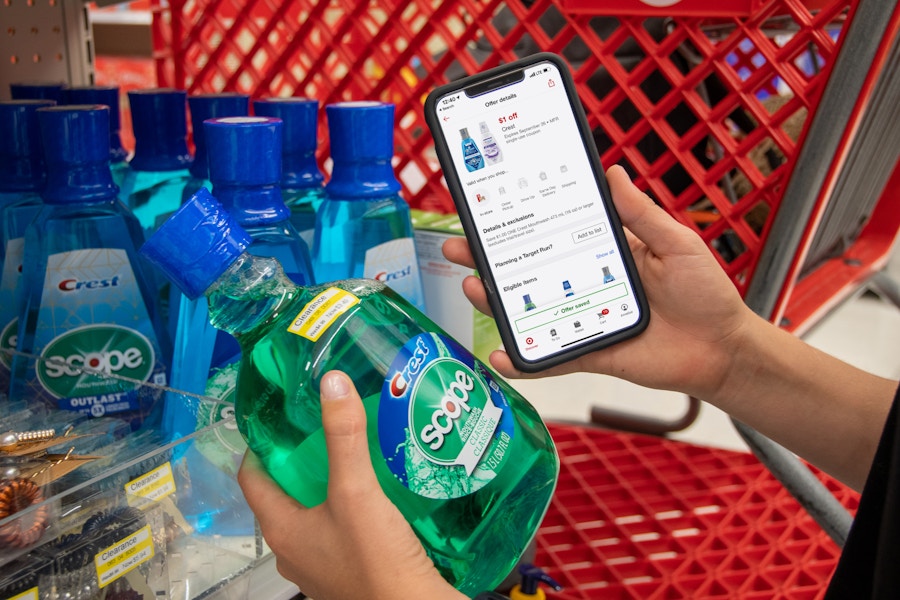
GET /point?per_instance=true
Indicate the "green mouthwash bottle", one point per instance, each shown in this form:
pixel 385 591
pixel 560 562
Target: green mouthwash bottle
pixel 107 95
pixel 22 178
pixel 158 170
pixel 88 301
pixel 301 180
pixel 464 457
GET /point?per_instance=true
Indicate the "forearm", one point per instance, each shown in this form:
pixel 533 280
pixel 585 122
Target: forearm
pixel 814 404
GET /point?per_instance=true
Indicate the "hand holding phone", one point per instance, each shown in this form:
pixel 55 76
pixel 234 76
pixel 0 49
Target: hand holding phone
pixel 519 159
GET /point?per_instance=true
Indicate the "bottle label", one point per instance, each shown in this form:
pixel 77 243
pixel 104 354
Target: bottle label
pixel 320 312
pixel 444 425
pixel 94 335
pixel 394 264
pixel 10 276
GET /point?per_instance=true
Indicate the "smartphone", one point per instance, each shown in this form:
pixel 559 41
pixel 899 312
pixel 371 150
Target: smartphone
pixel 521 165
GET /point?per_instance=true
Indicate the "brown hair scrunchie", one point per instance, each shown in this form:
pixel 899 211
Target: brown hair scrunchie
pixel 17 494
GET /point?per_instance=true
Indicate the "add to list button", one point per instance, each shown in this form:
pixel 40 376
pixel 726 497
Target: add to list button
pixel 587 233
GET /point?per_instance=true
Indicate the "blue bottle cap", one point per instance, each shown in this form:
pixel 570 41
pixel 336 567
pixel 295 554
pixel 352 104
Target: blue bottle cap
pixel 211 106
pixel 36 90
pixel 75 139
pixel 107 95
pixel 362 146
pixel 299 140
pixel 21 155
pixel 245 167
pixel 196 244
pixel 159 121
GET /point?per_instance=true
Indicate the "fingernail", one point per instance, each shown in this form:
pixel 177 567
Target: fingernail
pixel 334 386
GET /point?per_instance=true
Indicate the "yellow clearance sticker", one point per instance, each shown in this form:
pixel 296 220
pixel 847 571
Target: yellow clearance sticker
pixel 323 310
pixel 155 485
pixel 123 556
pixel 31 594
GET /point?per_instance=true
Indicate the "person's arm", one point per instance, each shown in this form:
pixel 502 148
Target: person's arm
pixel 356 544
pixel 704 341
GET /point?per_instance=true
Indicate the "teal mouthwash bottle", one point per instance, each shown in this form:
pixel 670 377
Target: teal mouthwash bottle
pixel 245 169
pixel 244 155
pixel 301 180
pixel 203 107
pixel 36 90
pixel 464 457
pixel 363 228
pixel 158 170
pixel 108 96
pixel 471 154
pixel 87 298
pixel 22 179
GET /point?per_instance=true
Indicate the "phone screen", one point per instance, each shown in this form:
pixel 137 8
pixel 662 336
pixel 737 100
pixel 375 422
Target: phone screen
pixel 533 195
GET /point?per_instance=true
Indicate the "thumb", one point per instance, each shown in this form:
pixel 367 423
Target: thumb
pixel 344 422
pixel 644 218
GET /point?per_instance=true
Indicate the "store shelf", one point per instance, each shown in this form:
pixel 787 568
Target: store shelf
pixel 139 515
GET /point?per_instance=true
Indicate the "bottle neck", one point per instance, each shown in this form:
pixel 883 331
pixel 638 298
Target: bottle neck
pixel 86 182
pixel 299 170
pixel 367 178
pixel 248 294
pixel 252 205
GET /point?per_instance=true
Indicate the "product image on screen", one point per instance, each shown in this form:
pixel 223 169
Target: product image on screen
pixel 540 217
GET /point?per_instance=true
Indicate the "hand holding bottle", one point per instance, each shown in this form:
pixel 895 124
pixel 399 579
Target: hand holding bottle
pixel 356 544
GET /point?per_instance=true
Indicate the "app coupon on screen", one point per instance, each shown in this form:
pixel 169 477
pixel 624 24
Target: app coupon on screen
pixel 533 196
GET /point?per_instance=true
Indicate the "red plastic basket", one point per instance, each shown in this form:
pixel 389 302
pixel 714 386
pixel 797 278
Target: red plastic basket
pixel 706 111
pixel 641 517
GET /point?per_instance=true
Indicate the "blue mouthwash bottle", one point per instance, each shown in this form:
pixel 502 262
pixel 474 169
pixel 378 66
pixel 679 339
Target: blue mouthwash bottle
pixel 464 457
pixel 301 180
pixel 22 179
pixel 363 228
pixel 36 90
pixel 245 168
pixel 158 170
pixel 203 107
pixel 471 154
pixel 88 300
pixel 107 95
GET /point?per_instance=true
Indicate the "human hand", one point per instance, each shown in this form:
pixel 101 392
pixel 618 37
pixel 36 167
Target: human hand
pixel 696 314
pixel 356 544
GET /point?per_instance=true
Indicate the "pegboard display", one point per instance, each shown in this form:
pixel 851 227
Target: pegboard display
pixel 44 40
pixel 639 517
pixel 706 106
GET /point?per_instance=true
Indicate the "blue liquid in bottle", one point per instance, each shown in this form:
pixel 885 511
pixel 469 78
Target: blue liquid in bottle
pixel 88 299
pixel 36 90
pixel 108 96
pixel 22 178
pixel 302 183
pixel 158 171
pixel 363 227
pixel 203 107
